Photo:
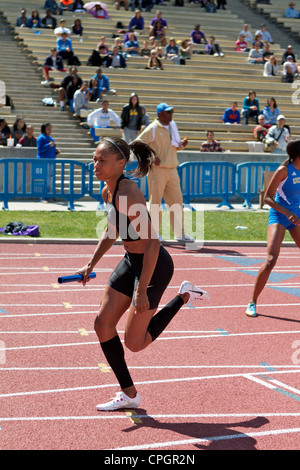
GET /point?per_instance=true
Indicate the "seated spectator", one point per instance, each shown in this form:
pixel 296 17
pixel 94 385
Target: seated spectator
pixel 5 132
pixel 145 119
pixel 35 20
pixel 95 93
pixel 232 114
pixel 145 51
pixel 158 33
pixel 49 21
pixel 115 59
pixel 250 107
pixel 172 51
pixel 271 112
pixel 103 43
pixel 23 21
pixel 258 38
pixel 158 49
pixel 118 4
pixel 18 130
pixel 198 36
pixel 65 94
pixel 126 35
pixel 271 68
pixel 186 49
pixel 81 98
pixel 65 5
pixel 64 48
pixel 291 11
pixel 52 6
pixel 265 35
pixel 210 145
pixel 287 52
pixel 248 36
pixel 132 46
pixel 78 6
pixel 137 21
pixel 210 6
pixel 52 62
pixel 260 131
pixel 278 135
pixel 154 63
pixel 100 118
pixel 241 45
pixel 266 52
pixel 77 28
pixel 290 70
pixel 158 17
pixel 98 11
pixel 212 48
pixel 97 57
pixel 119 45
pixel 255 55
pixel 62 29
pixel 28 140
pixel 103 82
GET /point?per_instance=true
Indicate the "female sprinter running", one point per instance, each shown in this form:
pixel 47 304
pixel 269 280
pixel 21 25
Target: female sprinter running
pixel 141 277
pixel 284 215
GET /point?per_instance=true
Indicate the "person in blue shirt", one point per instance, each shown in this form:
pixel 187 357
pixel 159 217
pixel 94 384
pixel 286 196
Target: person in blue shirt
pixel 65 48
pixel 232 114
pixel 52 6
pixel 291 11
pixel 271 112
pixel 103 81
pixel 35 20
pixel 283 197
pixel 22 20
pixel 46 148
pixel 250 107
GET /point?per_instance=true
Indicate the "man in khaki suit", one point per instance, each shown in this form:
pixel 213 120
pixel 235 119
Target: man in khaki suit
pixel 163 180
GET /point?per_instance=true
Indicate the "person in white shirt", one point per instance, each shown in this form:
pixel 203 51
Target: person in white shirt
pixel 265 35
pixel 271 67
pixel 81 98
pixel 278 135
pixel 62 29
pixel 248 36
pixel 100 118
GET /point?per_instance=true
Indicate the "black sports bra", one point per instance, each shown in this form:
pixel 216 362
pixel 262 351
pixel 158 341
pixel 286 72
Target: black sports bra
pixel 117 219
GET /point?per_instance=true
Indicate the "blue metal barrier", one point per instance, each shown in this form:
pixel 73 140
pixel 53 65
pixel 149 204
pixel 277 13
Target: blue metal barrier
pixel 207 179
pixel 38 178
pixel 249 179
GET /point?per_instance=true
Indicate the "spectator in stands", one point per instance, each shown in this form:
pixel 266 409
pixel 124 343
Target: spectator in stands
pixel 64 95
pixel 212 48
pixel 18 129
pixel 232 115
pixel 137 21
pixel 98 12
pixel 65 48
pixel 103 43
pixel 145 120
pixel 248 36
pixel 97 57
pixel 255 55
pixel 115 59
pixel 81 98
pixel 258 38
pixel 46 148
pixel 62 29
pixel 290 70
pixel 185 49
pixel 250 107
pixel 266 52
pixel 158 17
pixel 132 47
pixel 72 87
pixel 241 45
pixel 103 82
pixel 65 5
pixel 23 20
pixel 126 35
pixel 5 132
pixel 95 92
pixel 120 46
pixel 278 135
pixel 118 4
pixel 28 140
pixel 210 6
pixel 260 131
pixel 198 36
pixel 100 118
pixel 265 35
pixel 49 21
pixel 35 20
pixel 78 6
pixel 52 6
pixel 158 49
pixel 52 62
pixel 77 28
pixel 158 33
pixel 271 68
pixel 291 11
pixel 172 51
pixel 271 111
pixel 287 52
pixel 154 63
pixel 145 51
pixel 210 145
pixel 131 119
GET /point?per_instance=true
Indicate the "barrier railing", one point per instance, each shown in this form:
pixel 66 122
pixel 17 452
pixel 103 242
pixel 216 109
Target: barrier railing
pixel 249 179
pixel 43 178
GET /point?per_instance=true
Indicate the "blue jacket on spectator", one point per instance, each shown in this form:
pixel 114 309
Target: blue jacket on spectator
pixel 44 150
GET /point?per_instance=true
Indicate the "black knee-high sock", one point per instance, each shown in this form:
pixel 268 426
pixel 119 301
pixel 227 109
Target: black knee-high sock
pixel 114 353
pixel 161 320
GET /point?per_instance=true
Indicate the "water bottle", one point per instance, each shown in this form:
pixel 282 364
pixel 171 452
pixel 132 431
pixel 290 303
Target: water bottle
pixel 241 227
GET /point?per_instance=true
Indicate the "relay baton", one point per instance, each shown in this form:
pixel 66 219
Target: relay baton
pixel 74 277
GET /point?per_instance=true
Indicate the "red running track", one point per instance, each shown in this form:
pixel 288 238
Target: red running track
pixel 215 379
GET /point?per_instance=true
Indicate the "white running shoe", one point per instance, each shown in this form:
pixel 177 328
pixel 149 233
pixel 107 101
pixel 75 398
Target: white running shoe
pixel 185 238
pixel 121 400
pixel 196 295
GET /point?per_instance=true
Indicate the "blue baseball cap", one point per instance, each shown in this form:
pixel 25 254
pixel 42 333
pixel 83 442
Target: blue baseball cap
pixel 163 107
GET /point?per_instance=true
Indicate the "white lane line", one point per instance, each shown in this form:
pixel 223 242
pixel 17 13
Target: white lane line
pixel 149 382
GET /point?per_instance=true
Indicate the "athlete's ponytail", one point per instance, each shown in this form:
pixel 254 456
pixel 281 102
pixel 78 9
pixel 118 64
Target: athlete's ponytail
pixel 144 155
